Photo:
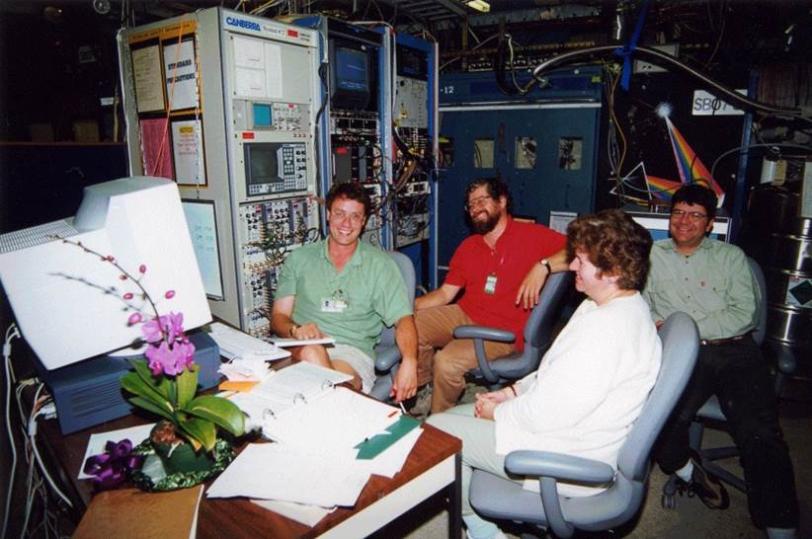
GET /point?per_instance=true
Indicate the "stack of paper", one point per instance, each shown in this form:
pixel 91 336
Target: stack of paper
pixel 331 439
pixel 281 472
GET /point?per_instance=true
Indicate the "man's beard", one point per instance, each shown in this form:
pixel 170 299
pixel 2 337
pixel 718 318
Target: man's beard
pixel 486 225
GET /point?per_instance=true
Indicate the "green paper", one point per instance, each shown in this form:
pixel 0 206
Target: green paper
pixel 372 447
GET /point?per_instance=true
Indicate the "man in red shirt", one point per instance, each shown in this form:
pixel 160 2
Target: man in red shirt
pixel 502 267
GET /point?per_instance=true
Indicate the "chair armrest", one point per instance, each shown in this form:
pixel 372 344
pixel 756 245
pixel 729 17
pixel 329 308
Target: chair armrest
pixel 483 332
pixel 558 466
pixel 480 334
pixel 386 357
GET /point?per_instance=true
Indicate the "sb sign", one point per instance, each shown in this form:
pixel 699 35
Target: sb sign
pixel 707 104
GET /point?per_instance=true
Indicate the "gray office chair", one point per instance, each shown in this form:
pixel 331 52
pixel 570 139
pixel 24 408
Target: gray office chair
pixel 387 354
pixel 711 412
pixel 538 336
pixel 496 498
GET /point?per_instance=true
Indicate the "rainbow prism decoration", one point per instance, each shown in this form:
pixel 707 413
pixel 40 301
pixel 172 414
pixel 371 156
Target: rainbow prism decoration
pixel 691 170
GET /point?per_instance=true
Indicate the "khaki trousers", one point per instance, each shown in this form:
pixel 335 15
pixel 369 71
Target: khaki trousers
pixel 448 358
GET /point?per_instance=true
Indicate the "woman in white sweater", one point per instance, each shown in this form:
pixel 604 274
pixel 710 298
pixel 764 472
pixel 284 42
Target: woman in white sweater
pixel 593 381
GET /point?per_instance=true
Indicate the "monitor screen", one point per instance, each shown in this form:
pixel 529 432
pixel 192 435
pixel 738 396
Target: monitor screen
pixel 275 167
pixel 203 231
pixel 352 69
pixel 70 304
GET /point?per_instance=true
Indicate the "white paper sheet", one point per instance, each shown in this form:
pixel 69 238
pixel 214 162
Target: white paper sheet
pixel 309 515
pixel 281 472
pixel 392 459
pixel 287 343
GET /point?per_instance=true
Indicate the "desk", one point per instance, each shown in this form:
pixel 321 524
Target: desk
pixel 432 466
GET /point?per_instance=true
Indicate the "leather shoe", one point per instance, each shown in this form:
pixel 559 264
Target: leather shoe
pixel 707 488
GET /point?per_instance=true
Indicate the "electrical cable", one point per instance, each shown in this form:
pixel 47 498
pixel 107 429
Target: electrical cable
pixel 758 145
pixel 654 54
pixel 32 433
pixel 11 333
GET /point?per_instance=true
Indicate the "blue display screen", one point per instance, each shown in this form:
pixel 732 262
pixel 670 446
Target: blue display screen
pixel 351 69
pixel 263 116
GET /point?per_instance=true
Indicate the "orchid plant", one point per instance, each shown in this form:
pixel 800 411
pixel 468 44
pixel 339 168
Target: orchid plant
pixel 166 384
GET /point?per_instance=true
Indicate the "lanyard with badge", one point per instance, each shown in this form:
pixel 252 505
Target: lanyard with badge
pixel 491 279
pixel 337 303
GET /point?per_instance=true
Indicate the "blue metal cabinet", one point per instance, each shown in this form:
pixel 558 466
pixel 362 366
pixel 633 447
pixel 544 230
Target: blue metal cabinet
pixel 472 110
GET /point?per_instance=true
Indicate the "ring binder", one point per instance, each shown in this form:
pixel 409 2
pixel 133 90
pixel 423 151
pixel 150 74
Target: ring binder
pixel 298 396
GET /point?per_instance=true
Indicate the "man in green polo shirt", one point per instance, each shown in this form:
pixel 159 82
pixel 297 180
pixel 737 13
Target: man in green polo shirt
pixel 346 289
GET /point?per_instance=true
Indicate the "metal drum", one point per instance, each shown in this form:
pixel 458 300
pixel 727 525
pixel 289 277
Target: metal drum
pixel 789 289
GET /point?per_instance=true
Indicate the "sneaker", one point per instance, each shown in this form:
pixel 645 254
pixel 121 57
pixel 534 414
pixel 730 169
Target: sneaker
pixel 707 488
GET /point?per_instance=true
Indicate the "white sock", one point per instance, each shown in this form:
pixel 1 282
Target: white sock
pixel 782 533
pixel 686 472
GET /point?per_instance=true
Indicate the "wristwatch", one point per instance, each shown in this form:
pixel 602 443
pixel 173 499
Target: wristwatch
pixel 546 263
pixel 293 328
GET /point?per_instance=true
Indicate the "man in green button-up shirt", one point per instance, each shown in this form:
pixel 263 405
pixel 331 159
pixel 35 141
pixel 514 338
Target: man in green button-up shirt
pixel 346 289
pixel 712 282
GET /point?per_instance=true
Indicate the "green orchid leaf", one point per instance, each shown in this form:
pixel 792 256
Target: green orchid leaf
pixel 187 385
pixel 161 384
pixel 199 432
pixel 151 407
pixel 136 385
pixel 172 391
pixel 224 413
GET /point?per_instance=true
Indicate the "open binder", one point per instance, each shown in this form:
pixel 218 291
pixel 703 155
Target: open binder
pixel 336 414
pixel 302 405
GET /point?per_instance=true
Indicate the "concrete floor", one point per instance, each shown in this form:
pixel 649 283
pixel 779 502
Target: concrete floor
pixel 691 519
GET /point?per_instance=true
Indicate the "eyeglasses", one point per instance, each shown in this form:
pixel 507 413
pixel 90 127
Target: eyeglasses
pixel 340 215
pixel 692 215
pixel 477 202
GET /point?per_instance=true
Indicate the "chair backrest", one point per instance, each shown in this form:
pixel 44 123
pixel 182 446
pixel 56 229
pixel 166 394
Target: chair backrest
pixel 680 338
pixel 761 301
pixel 538 335
pixel 538 331
pixel 406 268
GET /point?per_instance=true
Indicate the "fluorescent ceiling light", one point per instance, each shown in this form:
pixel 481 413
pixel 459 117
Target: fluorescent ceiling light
pixel 479 5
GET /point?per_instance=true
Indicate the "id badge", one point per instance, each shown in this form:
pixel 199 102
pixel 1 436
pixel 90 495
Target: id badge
pixel 333 305
pixel 490 284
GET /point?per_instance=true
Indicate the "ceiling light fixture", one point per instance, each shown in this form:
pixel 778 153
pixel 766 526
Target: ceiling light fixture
pixel 479 5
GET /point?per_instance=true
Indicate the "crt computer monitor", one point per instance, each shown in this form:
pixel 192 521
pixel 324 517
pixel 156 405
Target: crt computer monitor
pixel 58 292
pixel 350 70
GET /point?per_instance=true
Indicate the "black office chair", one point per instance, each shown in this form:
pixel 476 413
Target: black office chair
pixel 538 336
pixel 387 353
pixel 496 498
pixel 710 415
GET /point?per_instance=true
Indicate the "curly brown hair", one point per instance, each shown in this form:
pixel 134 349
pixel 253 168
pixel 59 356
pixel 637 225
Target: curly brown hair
pixel 614 243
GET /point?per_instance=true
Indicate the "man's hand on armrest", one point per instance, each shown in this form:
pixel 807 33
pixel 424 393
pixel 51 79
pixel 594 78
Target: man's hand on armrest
pixel 530 289
pixel 404 386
